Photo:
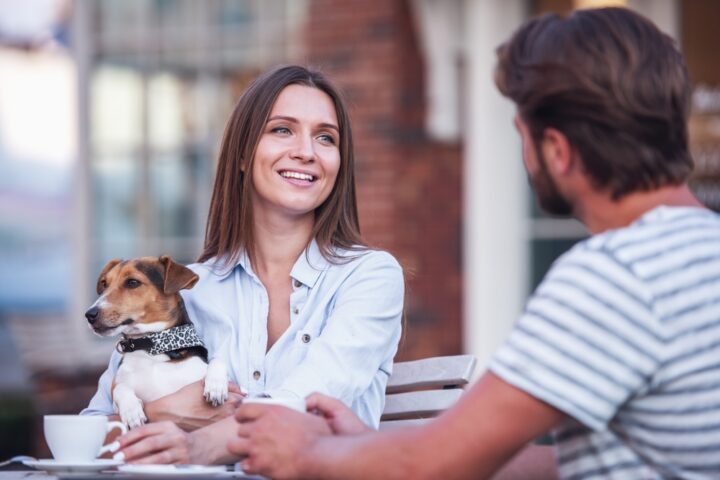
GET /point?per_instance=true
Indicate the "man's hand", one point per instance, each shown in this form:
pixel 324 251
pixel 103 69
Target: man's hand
pixel 274 439
pixel 188 409
pixel 340 418
pixel 490 423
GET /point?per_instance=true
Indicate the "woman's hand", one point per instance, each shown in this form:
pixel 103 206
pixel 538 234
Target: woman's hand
pixel 339 417
pixel 165 442
pixel 188 409
pixel 162 442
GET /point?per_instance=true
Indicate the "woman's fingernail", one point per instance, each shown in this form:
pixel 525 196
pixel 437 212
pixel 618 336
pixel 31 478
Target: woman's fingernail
pixel 119 457
pixel 114 447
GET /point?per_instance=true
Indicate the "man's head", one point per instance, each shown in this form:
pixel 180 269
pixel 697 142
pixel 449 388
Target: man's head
pixel 614 85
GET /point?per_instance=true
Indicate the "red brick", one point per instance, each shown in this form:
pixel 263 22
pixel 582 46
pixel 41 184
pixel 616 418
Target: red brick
pixel 409 188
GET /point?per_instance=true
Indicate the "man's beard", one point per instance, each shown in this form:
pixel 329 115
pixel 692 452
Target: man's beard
pixel 548 195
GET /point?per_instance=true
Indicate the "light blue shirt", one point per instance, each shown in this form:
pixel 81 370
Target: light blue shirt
pixel 345 325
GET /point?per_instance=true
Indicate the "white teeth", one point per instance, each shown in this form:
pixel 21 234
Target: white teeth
pixel 298 175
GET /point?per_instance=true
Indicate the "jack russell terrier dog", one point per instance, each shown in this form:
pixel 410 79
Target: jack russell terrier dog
pixel 162 353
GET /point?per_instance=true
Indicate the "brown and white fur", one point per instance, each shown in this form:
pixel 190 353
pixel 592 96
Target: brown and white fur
pixel 139 297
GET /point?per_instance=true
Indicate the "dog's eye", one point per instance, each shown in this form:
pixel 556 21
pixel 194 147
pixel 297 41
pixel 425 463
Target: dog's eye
pixel 131 283
pixel 103 284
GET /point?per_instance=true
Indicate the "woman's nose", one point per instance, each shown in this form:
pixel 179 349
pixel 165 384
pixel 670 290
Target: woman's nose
pixel 304 150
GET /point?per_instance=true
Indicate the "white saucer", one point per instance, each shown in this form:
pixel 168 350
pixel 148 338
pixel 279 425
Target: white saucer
pixel 53 466
pixel 173 470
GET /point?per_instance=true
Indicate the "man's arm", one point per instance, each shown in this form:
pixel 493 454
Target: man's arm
pixel 473 439
pixel 209 444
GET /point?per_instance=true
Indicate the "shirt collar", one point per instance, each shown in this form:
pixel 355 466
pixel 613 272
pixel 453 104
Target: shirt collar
pixel 309 265
pixel 220 269
pixel 307 269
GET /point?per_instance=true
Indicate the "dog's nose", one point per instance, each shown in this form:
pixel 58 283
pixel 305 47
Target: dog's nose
pixel 92 315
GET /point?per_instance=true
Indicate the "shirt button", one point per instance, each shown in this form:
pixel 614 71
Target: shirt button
pixel 297 283
pixel 296 310
pixel 305 338
pixel 256 375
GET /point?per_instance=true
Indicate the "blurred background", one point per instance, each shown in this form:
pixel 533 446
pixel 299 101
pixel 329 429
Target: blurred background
pixel 111 114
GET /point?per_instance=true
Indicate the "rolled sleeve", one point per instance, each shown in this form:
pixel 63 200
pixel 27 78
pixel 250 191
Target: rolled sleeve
pixel 101 402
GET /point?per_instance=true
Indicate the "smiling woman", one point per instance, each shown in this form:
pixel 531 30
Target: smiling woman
pixel 290 297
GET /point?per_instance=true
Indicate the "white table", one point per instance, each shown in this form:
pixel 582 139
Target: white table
pixel 38 475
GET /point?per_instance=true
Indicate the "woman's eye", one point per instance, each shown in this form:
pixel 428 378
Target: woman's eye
pixel 281 130
pixel 131 283
pixel 325 138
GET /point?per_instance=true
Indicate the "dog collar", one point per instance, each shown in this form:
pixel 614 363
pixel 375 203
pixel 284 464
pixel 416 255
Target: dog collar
pixel 168 340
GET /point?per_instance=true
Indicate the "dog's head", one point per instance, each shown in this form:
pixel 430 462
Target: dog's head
pixel 139 296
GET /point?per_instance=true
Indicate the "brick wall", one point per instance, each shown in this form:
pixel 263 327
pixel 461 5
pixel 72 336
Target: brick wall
pixel 409 188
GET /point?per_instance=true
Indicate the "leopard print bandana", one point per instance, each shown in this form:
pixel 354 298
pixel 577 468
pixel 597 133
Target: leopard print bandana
pixel 168 340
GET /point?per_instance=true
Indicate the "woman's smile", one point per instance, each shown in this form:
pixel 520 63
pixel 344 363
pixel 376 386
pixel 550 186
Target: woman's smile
pixel 299 178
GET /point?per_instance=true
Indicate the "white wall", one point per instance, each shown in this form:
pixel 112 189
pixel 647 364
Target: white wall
pixel 495 198
pixel 665 14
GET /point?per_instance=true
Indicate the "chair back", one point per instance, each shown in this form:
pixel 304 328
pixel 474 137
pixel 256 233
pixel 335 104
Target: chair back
pixel 421 389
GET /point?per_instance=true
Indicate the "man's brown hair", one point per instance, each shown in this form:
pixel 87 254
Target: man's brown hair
pixel 230 225
pixel 613 84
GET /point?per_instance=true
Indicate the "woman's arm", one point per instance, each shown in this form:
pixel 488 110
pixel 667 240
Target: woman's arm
pixel 188 409
pixel 165 442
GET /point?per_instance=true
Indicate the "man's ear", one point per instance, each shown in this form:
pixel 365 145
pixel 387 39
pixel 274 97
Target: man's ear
pixel 558 153
pixel 176 276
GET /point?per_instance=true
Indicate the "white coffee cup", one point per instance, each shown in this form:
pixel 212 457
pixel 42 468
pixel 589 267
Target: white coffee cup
pixel 78 438
pixel 290 402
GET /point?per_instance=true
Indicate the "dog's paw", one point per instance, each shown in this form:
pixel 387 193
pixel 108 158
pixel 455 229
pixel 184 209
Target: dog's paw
pixel 216 383
pixel 216 390
pixel 128 406
pixel 132 414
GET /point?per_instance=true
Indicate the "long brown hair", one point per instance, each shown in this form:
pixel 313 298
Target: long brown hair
pixel 229 229
pixel 613 84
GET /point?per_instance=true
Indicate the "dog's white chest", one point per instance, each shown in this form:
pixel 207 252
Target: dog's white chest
pixel 153 376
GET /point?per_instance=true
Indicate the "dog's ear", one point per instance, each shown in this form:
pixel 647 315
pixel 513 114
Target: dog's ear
pixel 176 276
pixel 100 286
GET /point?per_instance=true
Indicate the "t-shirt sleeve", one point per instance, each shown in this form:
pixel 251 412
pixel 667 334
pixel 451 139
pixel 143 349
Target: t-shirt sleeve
pixel 587 341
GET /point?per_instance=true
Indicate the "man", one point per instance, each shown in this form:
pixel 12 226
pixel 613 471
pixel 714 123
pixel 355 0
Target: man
pixel 618 350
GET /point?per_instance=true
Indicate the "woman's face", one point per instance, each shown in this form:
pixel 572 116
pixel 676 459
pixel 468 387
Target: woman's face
pixel 298 157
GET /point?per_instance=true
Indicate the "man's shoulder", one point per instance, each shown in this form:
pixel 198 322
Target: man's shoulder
pixel 659 224
pixel 660 244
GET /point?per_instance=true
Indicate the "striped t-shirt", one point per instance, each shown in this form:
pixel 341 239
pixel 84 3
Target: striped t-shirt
pixel 623 335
